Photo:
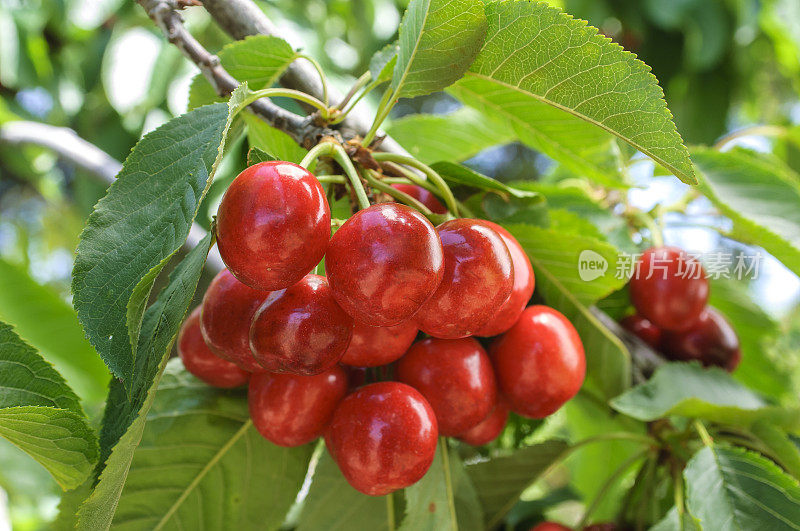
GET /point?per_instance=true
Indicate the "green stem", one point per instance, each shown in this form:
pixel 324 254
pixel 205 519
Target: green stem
pixel 383 111
pixel 286 93
pixel 390 511
pixel 448 482
pixel 334 179
pixel 703 432
pixel 344 161
pixel 403 197
pixel 325 149
pixel 608 483
pixel 677 479
pixel 358 85
pixel 447 194
pixel 644 218
pixel 322 80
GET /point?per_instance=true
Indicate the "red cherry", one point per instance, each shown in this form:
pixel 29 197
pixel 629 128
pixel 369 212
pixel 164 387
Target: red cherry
pixel 477 280
pixel 301 329
pixel 423 196
pixel 550 526
pixel 373 346
pixel 383 263
pixel 669 288
pixel 456 378
pixel 524 281
pixel 711 341
pixel 356 376
pixel 200 361
pixel 490 427
pixel 643 329
pixel 383 437
pixel 539 362
pixel 291 410
pixel 228 308
pixel 273 225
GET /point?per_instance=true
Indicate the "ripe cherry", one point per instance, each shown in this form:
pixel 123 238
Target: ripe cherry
pixel 456 378
pixel 273 225
pixel 228 308
pixel 301 329
pixel 490 427
pixel 524 281
pixel 539 362
pixel 711 340
pixel 423 196
pixel 477 280
pixel 669 288
pixel 291 410
pixel 200 361
pixel 383 263
pixel 643 329
pixel 383 437
pixel 373 346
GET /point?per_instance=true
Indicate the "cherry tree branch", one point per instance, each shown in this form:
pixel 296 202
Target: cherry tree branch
pixel 164 13
pixel 69 146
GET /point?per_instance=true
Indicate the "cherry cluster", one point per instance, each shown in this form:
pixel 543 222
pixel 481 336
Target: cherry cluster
pixel 338 356
pixel 669 290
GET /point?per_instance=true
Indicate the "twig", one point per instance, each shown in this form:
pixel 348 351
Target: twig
pixel 86 155
pixel 164 14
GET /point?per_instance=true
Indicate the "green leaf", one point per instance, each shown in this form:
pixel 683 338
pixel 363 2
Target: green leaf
pixel 438 41
pixel 124 419
pixel 453 137
pixel 139 225
pixel 41 415
pixel 460 174
pixel 428 503
pixel 500 480
pixel 672 522
pixel 382 63
pixel 255 155
pixel 760 196
pixel 258 60
pixel 271 140
pixel 688 390
pixel 731 488
pixel 332 504
pixel 42 318
pixel 535 53
pixel 202 465
pixel 555 258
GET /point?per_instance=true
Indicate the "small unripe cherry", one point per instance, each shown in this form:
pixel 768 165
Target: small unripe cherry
pixel 291 410
pixel 423 196
pixel 643 329
pixel 669 288
pixel 383 263
pixel 273 225
pixel 478 278
pixel 711 340
pixel 521 292
pixel 490 427
pixel 201 362
pixel 539 363
pixel 228 308
pixel 383 437
pixel 456 378
pixel 300 329
pixel 373 346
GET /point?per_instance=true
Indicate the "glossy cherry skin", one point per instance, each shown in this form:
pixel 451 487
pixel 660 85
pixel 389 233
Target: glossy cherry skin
pixel 373 346
pixel 273 225
pixel 478 279
pixel 643 329
pixel 521 292
pixel 539 363
pixel 228 308
pixel 301 329
pixel 550 526
pixel 456 378
pixel 711 340
pixel 490 427
pixel 423 196
pixel 676 291
pixel 201 362
pixel 383 263
pixel 383 437
pixel 291 410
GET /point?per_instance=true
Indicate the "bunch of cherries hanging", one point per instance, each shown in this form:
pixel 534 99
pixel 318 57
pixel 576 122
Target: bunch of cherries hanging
pixel 338 356
pixel 669 289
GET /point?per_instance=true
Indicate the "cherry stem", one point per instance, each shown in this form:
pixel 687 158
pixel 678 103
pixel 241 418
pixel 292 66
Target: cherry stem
pixel 287 93
pixel 383 112
pixel 322 80
pixel 448 482
pixel 703 432
pixel 359 84
pixel 390 511
pixel 656 235
pixel 403 197
pixel 337 152
pixel 447 194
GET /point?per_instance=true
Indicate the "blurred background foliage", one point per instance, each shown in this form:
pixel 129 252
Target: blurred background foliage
pixel 101 68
